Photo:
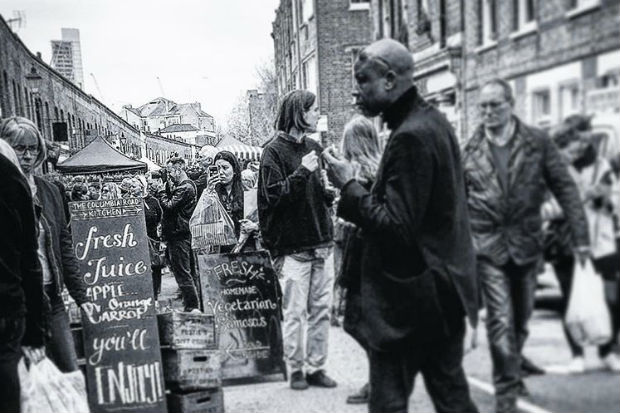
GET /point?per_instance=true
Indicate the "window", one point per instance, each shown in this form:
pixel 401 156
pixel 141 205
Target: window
pixel 307 10
pixel 569 100
pixel 309 75
pixel 354 54
pixel 541 107
pixel 584 4
pixel 524 13
pixel 359 4
pixel 488 17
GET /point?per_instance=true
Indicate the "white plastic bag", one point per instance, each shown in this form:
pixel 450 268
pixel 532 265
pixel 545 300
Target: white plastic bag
pixel 587 318
pixel 44 388
pixel 210 224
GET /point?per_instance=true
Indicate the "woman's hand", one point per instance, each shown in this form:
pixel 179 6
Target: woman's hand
pixel 248 226
pixel 213 181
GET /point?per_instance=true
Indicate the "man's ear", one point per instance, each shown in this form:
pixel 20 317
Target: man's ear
pixel 390 80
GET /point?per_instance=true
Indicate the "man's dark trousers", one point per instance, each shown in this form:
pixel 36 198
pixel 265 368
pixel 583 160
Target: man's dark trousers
pixel 508 292
pixel 392 375
pixel 179 252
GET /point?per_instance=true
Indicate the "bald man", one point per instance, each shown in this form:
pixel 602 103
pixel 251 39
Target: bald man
pixel 418 268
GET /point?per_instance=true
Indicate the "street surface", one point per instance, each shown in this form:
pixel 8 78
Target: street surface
pixel 596 391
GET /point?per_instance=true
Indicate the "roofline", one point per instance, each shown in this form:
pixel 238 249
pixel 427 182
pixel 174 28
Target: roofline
pixel 62 78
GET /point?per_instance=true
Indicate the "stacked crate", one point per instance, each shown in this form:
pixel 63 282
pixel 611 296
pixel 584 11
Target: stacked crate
pixel 191 362
pixel 75 323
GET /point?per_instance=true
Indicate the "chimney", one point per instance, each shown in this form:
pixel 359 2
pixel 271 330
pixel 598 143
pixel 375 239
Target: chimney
pixel 39 56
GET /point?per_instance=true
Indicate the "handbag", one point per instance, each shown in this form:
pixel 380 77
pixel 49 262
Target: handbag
pixel 157 253
pixel 587 317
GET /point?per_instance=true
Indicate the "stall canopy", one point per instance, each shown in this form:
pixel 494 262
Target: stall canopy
pixel 150 164
pixel 240 149
pixel 99 157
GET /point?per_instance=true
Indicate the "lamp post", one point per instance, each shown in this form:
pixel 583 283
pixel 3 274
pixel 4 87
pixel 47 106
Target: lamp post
pixel 34 81
pixel 123 141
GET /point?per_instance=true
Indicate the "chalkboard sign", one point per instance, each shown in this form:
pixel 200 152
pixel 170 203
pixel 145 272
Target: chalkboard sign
pixel 121 341
pixel 242 292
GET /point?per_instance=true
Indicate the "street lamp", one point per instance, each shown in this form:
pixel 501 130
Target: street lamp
pixel 123 141
pixel 34 80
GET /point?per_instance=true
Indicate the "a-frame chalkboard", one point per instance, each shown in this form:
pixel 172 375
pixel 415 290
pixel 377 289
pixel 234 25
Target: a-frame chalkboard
pixel 121 341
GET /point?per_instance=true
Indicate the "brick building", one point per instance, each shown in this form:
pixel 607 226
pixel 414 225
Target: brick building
pixel 161 113
pixel 316 43
pixel 561 56
pixel 433 32
pixel 159 148
pixel 63 112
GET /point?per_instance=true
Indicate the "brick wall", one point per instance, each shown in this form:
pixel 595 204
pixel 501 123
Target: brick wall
pixel 559 39
pixel 58 100
pixel 340 31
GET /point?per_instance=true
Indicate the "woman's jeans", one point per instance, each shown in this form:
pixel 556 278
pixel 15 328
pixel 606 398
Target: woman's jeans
pixel 60 348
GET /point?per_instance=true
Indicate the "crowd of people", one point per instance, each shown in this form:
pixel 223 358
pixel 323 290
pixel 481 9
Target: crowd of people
pixel 419 234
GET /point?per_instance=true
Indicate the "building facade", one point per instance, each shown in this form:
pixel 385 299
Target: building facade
pixel 315 44
pixel 561 56
pixel 160 148
pixel 67 56
pixel 433 31
pixel 161 114
pixel 63 112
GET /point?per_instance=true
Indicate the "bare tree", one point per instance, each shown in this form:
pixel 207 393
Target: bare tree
pixel 251 119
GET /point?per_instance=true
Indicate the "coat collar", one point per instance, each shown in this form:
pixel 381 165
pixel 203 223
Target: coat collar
pixel 406 103
pixel 522 146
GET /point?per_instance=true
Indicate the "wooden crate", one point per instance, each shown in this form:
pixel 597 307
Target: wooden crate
pixel 78 340
pixel 187 331
pixel 205 401
pixel 73 311
pixel 188 370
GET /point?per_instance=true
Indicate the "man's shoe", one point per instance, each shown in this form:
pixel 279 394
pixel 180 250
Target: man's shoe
pixel 298 381
pixel 320 379
pixel 529 368
pixel 506 405
pixel 361 397
pixel 523 391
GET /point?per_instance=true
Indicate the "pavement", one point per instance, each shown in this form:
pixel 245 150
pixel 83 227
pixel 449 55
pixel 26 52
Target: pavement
pixel 595 391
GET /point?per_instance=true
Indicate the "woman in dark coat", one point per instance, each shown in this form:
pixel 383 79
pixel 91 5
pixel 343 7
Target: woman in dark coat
pixel 58 262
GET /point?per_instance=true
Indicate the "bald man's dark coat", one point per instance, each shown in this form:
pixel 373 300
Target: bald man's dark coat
pixel 418 265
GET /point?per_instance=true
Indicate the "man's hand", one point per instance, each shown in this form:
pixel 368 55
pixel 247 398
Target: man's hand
pixel 33 354
pixel 340 171
pixel 310 161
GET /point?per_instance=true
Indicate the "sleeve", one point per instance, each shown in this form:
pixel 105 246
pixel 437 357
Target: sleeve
pixel 179 198
pixel 71 269
pixel 32 277
pixel 276 187
pixel 408 175
pixel 565 191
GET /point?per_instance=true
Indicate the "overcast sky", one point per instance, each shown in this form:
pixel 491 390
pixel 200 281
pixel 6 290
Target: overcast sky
pixel 202 50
